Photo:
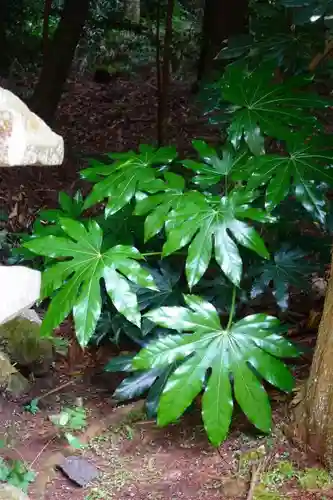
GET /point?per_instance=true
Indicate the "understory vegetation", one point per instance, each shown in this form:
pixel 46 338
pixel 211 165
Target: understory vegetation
pixel 195 259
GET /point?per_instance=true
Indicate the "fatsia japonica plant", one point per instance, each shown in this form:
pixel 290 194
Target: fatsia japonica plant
pixel 168 251
pixel 289 33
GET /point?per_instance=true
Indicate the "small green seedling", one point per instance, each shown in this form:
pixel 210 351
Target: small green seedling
pixel 32 407
pixel 69 420
pixel 16 473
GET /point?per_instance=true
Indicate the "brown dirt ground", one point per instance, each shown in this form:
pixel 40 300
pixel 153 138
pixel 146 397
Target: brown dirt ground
pixel 135 459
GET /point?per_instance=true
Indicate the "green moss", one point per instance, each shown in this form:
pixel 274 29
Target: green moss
pixel 251 457
pixel 20 338
pixel 261 493
pixel 314 478
pixel 281 473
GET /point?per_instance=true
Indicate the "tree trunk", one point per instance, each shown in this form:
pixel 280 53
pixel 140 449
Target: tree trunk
pixel 132 10
pixel 221 20
pixel 165 76
pixel 46 19
pixel 57 65
pixel 314 415
pixel 159 74
pixel 4 56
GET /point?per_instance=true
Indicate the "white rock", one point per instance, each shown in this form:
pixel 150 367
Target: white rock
pixel 25 139
pixel 20 288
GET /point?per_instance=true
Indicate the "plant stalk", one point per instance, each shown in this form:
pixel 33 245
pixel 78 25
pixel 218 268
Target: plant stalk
pixel 232 310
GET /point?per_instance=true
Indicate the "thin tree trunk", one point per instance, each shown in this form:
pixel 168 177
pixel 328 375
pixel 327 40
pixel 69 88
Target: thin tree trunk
pixel 163 100
pixel 4 57
pixel 221 20
pixel 47 12
pixel 158 74
pixel 57 65
pixel 313 417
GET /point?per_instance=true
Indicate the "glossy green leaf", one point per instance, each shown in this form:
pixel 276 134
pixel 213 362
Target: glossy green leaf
pixel 282 174
pixel 77 281
pixel 272 370
pixel 135 385
pixel 156 390
pixel 214 167
pixel 184 385
pixel 120 180
pixel 227 255
pixel 210 357
pixel 206 221
pixel 124 300
pixel 314 201
pixel 159 205
pixel 252 397
pixel 263 107
pixel 217 401
pixel 199 255
pixel 119 364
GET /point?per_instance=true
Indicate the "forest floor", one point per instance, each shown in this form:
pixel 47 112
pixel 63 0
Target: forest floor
pixel 134 458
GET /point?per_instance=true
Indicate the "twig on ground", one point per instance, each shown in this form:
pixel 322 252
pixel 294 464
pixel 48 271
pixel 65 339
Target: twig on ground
pixel 41 452
pixel 256 470
pixel 56 389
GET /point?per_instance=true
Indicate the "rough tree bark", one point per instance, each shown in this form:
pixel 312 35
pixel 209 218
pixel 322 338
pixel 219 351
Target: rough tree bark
pixel 313 417
pixel 57 65
pixel 221 20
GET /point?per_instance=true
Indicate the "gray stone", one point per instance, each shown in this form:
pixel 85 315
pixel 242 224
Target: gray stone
pixel 8 492
pixel 78 470
pixel 10 379
pixel 20 338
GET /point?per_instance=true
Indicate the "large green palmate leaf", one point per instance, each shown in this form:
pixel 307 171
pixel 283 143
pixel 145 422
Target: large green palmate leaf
pixel 130 172
pixel 168 291
pixel 214 167
pixel 288 267
pixel 204 221
pixel 151 381
pixel 158 205
pixel 220 361
pixel 77 277
pixel 292 173
pixel 261 106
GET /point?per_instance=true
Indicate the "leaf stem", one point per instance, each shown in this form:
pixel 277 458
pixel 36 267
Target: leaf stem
pixel 232 309
pixel 149 254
